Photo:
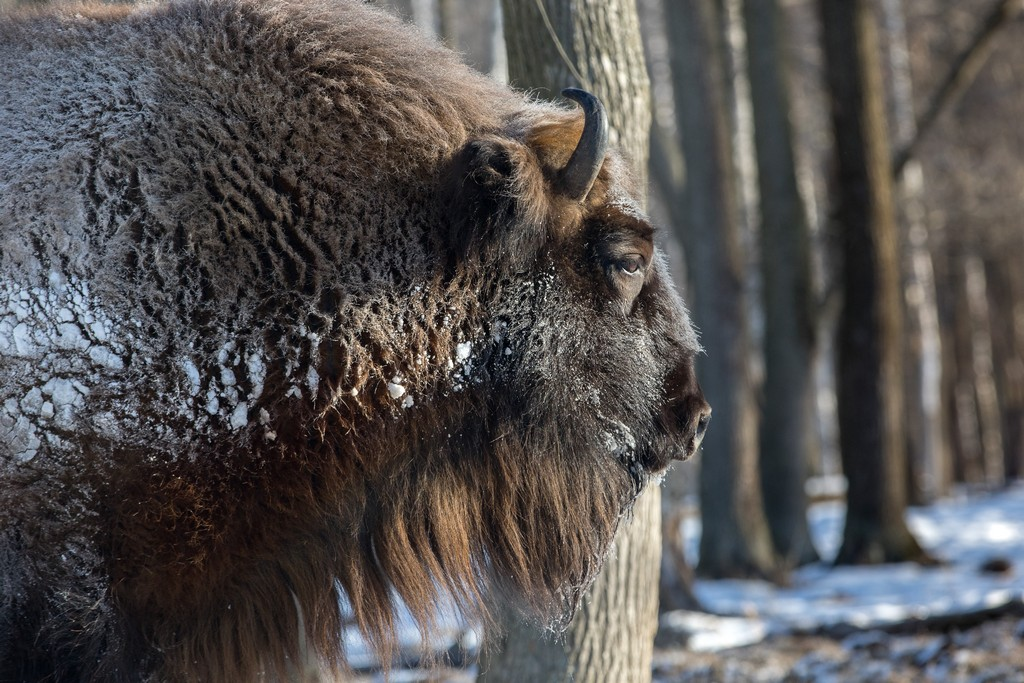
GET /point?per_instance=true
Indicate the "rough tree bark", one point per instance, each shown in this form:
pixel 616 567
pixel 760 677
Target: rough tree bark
pixel 735 541
pixel 869 341
pixel 787 427
pixel 553 45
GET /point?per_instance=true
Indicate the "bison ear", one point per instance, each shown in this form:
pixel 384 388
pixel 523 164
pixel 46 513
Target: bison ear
pixel 489 190
pixel 488 163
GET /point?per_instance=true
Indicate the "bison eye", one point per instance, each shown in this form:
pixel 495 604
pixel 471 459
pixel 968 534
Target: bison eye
pixel 631 264
pixel 626 276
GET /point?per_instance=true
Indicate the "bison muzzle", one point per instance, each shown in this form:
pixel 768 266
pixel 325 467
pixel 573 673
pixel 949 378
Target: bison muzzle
pixel 297 309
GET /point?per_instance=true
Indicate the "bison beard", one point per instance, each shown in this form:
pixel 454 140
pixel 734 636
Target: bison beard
pixel 295 308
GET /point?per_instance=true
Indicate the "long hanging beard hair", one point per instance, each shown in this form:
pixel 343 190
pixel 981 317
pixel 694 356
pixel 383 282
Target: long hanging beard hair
pixel 488 524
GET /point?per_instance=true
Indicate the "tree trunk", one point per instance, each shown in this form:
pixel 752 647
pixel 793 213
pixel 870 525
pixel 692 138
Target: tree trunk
pixel 676 588
pixel 870 335
pixel 735 541
pixel 926 451
pixel 665 167
pixel 402 8
pixel 946 300
pixel 597 47
pixel 469 27
pixel 968 463
pixel 787 428
pixel 732 37
pixel 984 372
pixel 1006 292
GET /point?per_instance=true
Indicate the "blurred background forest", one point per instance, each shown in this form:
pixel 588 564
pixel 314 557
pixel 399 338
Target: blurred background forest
pixel 841 189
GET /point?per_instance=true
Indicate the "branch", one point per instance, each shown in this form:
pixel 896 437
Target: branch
pixel 961 74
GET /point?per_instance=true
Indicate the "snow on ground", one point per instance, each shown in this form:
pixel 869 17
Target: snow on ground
pixel 964 532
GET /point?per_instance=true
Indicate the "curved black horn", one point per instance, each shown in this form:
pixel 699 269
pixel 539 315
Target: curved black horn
pixel 579 174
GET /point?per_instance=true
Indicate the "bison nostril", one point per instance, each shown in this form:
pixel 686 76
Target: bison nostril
pixel 702 424
pixel 694 435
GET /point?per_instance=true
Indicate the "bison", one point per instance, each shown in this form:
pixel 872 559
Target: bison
pixel 296 309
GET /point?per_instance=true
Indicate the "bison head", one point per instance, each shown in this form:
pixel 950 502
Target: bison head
pixel 571 386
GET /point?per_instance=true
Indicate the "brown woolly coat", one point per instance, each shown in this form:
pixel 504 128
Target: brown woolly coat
pixel 292 311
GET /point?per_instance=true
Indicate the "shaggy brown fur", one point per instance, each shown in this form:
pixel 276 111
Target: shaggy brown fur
pixel 292 311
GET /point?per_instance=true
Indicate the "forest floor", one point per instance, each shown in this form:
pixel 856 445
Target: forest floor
pixel 989 652
pixel 962 620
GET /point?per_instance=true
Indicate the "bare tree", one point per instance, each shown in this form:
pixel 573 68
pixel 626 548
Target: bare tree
pixel 787 434
pixel 869 343
pixel 978 456
pixel 966 57
pixel 1006 294
pixel 959 372
pixel 552 45
pixel 735 539
pixel 471 28
pixel 961 74
pixel 926 451
pixel 676 591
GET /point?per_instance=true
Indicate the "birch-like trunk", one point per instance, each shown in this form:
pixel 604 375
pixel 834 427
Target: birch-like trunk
pixel 926 449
